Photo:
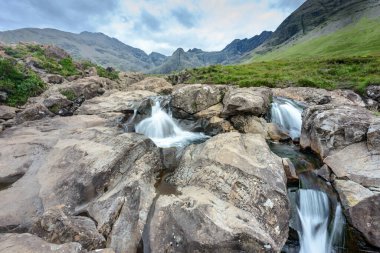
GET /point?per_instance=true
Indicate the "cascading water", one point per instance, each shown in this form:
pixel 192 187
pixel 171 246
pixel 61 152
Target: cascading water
pixel 287 114
pixel 164 131
pixel 314 212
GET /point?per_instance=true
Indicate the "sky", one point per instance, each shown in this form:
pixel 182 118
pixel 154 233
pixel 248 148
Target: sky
pixel 153 25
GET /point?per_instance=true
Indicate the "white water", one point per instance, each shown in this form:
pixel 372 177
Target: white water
pixel 287 115
pixel 164 131
pixel 313 211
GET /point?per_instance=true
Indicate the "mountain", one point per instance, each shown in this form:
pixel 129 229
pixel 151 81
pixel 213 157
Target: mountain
pixel 97 47
pixel 196 57
pixel 325 27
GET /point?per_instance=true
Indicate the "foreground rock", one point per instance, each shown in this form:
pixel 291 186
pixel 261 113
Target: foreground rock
pixel 330 128
pixel 80 166
pixel 233 199
pixel 27 243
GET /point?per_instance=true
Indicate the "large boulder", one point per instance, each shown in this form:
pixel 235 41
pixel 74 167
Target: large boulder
pixel 193 98
pixel 251 101
pixel 373 92
pixel 7 112
pixel 153 84
pixel 233 199
pixel 330 128
pixel 114 102
pixel 373 136
pixel 250 124
pixel 79 165
pixel 27 243
pixel 33 112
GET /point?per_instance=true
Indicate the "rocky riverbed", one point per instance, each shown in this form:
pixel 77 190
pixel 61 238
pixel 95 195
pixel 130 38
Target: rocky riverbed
pixel 73 179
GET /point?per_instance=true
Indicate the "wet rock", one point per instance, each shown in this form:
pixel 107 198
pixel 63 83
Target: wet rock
pixel 251 101
pixel 153 84
pixel 115 102
pixel 233 199
pixel 250 124
pixel 56 227
pixel 275 133
pixel 373 92
pixel 290 170
pixel 79 164
pixel 356 163
pixel 33 112
pixel 373 136
pixel 27 243
pixel 194 98
pixel 330 128
pixel 7 112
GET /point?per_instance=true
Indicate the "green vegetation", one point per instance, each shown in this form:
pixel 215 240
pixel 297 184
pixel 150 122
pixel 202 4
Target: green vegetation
pixel 349 72
pixel 69 94
pixel 359 39
pixel 19 82
pixel 111 74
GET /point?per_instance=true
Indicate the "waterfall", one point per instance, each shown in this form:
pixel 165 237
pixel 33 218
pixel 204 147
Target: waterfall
pixel 314 212
pixel 287 114
pixel 164 131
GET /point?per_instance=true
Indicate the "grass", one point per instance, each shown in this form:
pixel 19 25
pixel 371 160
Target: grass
pixel 343 72
pixel 69 94
pixel 356 40
pixel 19 82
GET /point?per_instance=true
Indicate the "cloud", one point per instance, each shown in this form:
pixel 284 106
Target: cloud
pixel 184 16
pixel 153 25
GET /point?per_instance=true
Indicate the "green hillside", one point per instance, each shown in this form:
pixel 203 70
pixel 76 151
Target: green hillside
pixel 359 39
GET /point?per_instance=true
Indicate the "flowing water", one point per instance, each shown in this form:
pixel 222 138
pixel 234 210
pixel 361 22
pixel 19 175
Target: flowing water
pixel 287 114
pixel 164 131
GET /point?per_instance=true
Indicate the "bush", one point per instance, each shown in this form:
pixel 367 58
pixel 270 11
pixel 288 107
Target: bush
pixel 107 73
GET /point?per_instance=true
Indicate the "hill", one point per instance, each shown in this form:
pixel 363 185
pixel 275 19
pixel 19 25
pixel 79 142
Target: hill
pixel 95 47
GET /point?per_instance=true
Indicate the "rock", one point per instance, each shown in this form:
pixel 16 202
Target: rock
pixel 27 243
pixel 33 112
pixel 233 199
pixel 213 111
pixel 251 101
pixel 153 84
pixel 55 52
pixel 127 79
pixel 194 98
pixel 79 164
pixel 7 112
pixel 217 125
pixel 92 71
pixel 350 193
pixel 373 136
pixel 324 172
pixel 56 227
pixel 89 87
pixel 373 92
pixel 56 103
pixel 327 128
pixel 366 218
pixel 364 169
pixel 115 102
pixel 250 124
pixel 55 79
pixel 290 170
pixel 3 96
pixel 277 134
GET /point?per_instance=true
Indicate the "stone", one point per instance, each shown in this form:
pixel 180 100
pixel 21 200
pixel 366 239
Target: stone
pixel 290 171
pixel 250 124
pixel 55 52
pixel 115 102
pixel 233 199
pixel 373 92
pixel 213 111
pixel 7 112
pixel 330 128
pixel 92 71
pixel 217 125
pixel 251 101
pixel 27 243
pixel 55 79
pixel 56 227
pixel 194 98
pixel 153 84
pixel 275 133
pixel 82 166
pixel 365 217
pixel 357 164
pixel 57 102
pixel 33 112
pixel 350 193
pixel 127 79
pixel 373 136
pixel 324 172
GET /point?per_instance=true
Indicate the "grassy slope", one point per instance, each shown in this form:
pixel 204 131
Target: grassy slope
pixel 360 39
pixel 348 58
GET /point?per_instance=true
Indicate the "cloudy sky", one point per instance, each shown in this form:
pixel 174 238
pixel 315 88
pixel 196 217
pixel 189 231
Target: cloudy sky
pixel 152 25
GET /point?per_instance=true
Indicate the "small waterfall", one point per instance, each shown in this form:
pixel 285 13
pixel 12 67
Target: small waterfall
pixel 164 131
pixel 287 114
pixel 319 233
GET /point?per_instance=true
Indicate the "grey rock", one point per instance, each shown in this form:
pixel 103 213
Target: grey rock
pixel 373 136
pixel 7 112
pixel 33 112
pixel 373 92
